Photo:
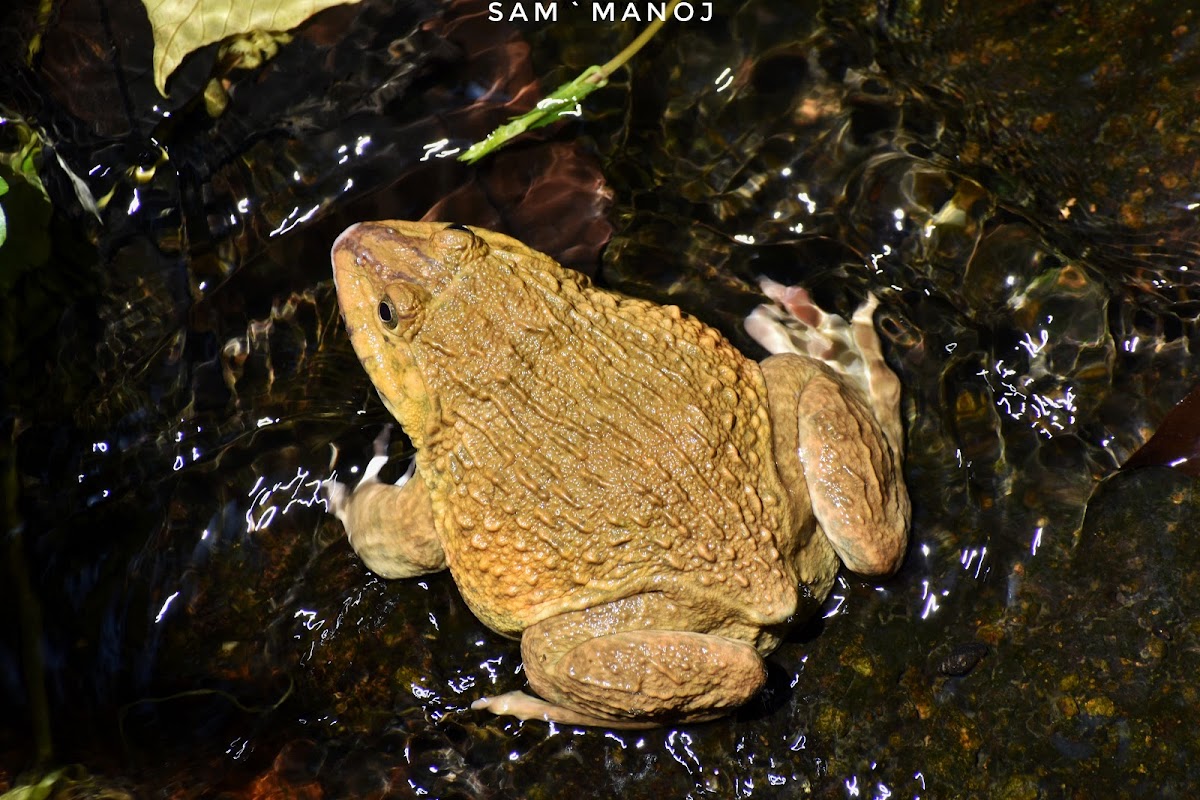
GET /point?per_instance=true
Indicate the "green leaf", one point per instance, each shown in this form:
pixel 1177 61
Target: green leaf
pixel 562 102
pixel 181 26
pixel 41 790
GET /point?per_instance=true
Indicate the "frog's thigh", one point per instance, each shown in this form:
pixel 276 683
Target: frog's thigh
pixel 852 470
pixel 391 527
pixel 611 666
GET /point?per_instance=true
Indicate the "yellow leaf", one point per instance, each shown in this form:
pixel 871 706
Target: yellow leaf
pixel 181 26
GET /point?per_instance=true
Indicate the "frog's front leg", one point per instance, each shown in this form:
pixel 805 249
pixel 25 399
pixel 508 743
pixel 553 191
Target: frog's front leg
pixel 390 526
pixel 611 666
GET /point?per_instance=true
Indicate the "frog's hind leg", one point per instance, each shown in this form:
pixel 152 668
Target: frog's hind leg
pixel 612 666
pixel 831 389
pixel 390 526
pixel 852 472
pixel 798 325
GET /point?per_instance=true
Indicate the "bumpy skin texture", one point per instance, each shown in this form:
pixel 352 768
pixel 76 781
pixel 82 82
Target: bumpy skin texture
pixel 600 471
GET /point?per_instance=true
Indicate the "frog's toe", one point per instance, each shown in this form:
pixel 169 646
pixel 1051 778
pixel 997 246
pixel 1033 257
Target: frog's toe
pixel 380 446
pixel 794 323
pixel 337 495
pixel 519 705
pixel 524 706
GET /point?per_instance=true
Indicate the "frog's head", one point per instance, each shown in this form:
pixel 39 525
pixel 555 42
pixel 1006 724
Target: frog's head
pixel 392 278
pixel 388 276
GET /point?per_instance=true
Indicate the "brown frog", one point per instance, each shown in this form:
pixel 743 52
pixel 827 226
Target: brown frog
pixel 608 479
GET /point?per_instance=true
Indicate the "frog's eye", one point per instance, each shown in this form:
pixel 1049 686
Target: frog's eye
pixel 402 307
pixel 387 314
pixel 456 227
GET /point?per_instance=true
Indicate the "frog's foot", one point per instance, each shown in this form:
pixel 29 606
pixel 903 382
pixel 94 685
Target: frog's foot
pixel 614 665
pixel 795 324
pixel 390 526
pixel 524 706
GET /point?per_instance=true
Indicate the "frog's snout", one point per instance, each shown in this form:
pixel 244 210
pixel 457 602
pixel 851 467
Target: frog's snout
pixel 382 251
pixel 346 240
pixel 346 255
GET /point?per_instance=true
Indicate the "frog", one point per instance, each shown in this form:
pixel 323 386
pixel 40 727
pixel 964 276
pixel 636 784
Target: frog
pixel 610 480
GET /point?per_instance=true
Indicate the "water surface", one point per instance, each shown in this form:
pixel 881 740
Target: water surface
pixel 1016 182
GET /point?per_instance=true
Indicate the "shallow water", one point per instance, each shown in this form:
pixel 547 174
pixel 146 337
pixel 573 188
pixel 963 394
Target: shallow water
pixel 1016 182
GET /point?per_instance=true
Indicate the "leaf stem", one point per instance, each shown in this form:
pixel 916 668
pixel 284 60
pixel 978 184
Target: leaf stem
pixel 566 99
pixel 615 63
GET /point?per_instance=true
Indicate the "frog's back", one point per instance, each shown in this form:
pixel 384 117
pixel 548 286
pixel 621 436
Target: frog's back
pixel 584 446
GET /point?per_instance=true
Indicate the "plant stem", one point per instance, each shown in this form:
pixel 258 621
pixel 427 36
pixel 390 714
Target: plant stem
pixel 620 58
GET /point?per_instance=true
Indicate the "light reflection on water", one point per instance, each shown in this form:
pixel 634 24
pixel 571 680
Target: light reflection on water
pixel 908 222
pixel 298 490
